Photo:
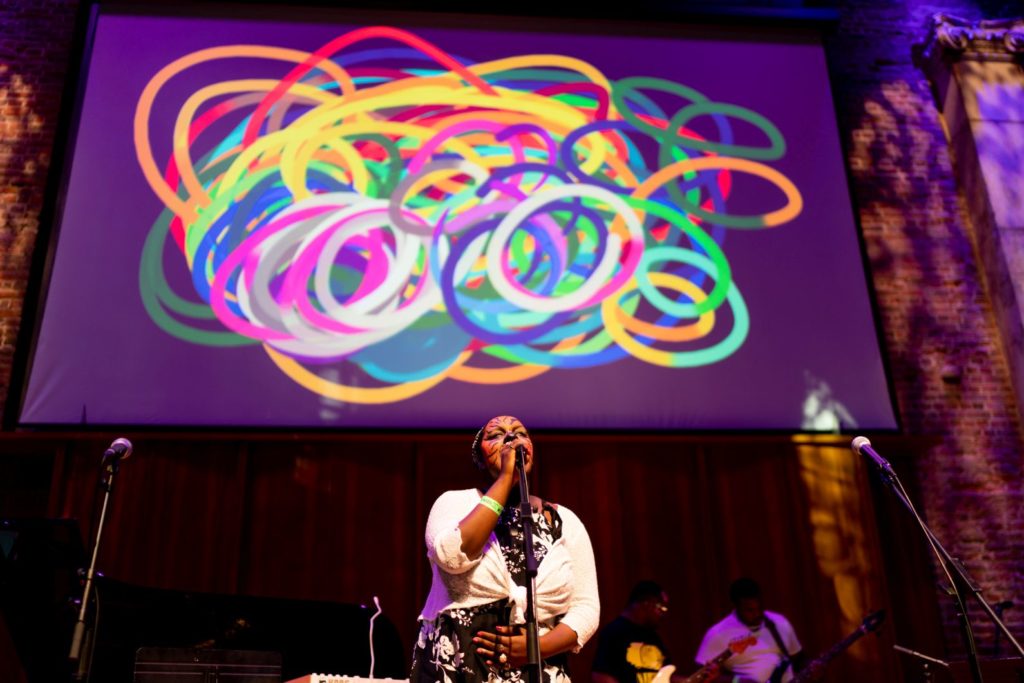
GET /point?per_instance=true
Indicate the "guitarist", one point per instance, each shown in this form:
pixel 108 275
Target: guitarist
pixel 629 649
pixel 775 656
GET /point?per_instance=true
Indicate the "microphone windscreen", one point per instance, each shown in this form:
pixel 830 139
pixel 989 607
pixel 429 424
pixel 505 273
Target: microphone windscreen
pixel 859 443
pixel 123 446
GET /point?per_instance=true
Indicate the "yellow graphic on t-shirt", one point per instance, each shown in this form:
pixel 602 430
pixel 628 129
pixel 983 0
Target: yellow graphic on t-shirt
pixel 646 658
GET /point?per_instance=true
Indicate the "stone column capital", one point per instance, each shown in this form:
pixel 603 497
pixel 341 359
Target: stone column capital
pixel 984 40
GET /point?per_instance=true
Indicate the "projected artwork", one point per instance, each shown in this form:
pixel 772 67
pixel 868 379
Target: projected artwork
pixel 422 218
pixel 421 221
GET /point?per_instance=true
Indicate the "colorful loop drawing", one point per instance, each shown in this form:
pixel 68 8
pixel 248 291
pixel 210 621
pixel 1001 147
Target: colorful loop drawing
pixel 381 216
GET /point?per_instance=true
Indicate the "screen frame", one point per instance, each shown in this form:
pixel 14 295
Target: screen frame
pixel 753 23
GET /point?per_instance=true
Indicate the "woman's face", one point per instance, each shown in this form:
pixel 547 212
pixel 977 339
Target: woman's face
pixel 495 434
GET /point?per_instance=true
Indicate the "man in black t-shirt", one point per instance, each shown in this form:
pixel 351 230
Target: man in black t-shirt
pixel 629 649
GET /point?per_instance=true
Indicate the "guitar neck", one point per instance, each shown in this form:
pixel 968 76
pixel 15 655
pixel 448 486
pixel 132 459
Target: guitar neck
pixel 813 668
pixel 705 672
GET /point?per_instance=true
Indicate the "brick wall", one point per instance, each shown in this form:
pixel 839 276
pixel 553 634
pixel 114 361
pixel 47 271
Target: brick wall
pixel 949 374
pixel 35 40
pixel 946 360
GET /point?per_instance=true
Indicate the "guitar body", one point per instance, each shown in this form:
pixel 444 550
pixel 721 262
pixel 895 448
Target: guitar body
pixel 664 674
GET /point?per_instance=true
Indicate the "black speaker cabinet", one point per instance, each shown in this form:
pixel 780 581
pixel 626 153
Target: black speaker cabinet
pixel 186 665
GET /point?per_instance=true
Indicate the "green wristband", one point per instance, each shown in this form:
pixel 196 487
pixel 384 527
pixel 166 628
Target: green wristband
pixel 492 505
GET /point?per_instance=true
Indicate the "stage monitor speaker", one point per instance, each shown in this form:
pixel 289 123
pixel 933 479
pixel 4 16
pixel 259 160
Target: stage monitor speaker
pixel 189 665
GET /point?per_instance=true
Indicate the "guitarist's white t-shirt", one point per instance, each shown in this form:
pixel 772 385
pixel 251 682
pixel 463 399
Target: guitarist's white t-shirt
pixel 757 661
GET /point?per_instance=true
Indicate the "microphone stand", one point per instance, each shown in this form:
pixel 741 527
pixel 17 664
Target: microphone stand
pixel 81 644
pixel 959 580
pixel 999 608
pixel 526 515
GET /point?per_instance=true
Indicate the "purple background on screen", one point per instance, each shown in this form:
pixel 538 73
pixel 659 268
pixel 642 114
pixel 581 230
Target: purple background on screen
pixel 99 359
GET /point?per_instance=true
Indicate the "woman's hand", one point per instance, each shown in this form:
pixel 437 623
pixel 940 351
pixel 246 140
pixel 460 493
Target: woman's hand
pixel 508 459
pixel 505 649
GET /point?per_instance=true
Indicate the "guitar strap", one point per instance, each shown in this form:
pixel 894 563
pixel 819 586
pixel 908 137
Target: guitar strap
pixel 787 659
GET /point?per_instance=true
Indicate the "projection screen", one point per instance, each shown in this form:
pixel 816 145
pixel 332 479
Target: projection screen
pixel 421 221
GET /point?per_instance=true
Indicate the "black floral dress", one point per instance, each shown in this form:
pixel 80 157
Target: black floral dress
pixel 445 650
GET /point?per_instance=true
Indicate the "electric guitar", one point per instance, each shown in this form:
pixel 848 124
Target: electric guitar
pixel 816 667
pixel 710 669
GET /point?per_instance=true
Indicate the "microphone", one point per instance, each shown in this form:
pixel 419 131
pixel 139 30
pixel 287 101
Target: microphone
pixel 120 449
pixel 520 453
pixel 862 446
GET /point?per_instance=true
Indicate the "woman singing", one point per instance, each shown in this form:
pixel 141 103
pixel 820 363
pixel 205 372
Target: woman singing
pixel 470 627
